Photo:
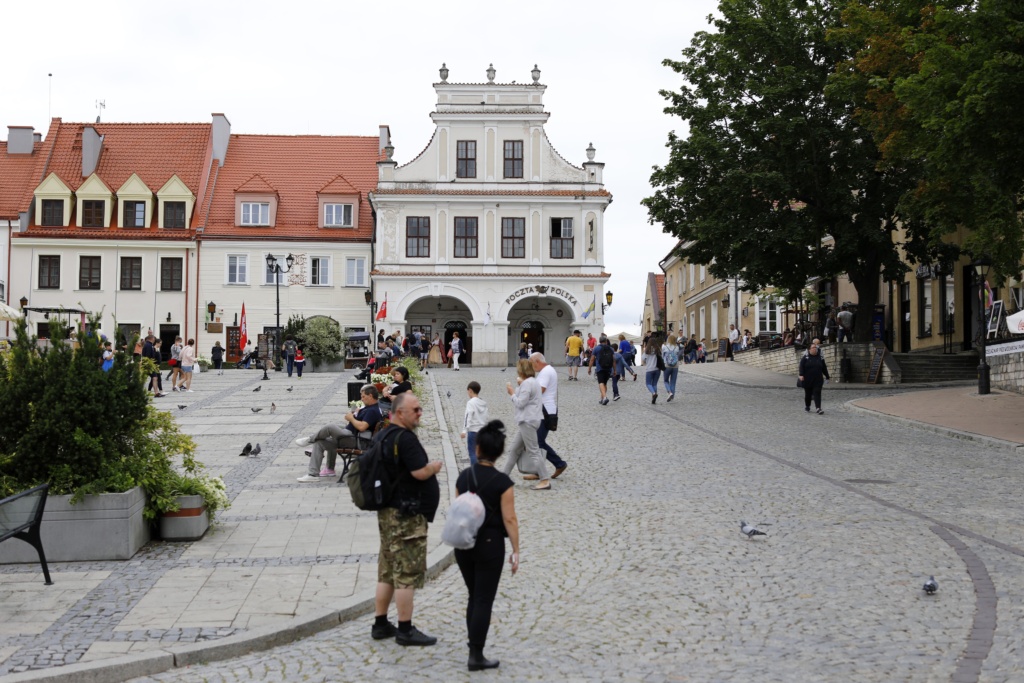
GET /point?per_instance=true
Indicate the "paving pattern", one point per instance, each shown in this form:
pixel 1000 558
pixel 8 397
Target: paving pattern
pixel 633 567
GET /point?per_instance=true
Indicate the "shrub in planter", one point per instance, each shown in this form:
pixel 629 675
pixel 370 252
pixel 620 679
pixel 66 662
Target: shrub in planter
pixel 86 431
pixel 323 341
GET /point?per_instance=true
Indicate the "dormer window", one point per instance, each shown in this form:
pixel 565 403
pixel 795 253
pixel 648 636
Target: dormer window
pixel 53 212
pixel 174 214
pixel 92 213
pixel 338 216
pixel 255 213
pixel 134 215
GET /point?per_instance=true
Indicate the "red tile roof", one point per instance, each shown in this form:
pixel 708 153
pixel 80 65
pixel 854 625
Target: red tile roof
pixel 338 186
pixel 153 151
pixel 659 281
pixel 17 173
pixel 256 184
pixel 297 167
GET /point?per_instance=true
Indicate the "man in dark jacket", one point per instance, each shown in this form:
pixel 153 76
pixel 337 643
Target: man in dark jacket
pixel 813 373
pixel 150 350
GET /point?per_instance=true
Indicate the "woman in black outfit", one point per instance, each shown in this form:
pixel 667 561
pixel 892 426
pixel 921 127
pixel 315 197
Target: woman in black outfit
pixel 481 565
pixel 813 374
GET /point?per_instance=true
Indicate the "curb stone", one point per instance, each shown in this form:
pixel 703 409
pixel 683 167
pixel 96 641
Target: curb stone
pixel 989 441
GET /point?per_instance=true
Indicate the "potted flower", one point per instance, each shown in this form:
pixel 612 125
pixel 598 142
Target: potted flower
pixel 193 500
pixel 380 380
pixel 203 362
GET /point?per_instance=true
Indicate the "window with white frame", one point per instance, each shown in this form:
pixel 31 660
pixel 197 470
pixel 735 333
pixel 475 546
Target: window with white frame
pixel 268 274
pixel 561 238
pixel 238 269
pixel 681 282
pixel 355 272
pixel 319 270
pixel 692 281
pixel 255 213
pixel 767 315
pixel 338 215
pixel 703 272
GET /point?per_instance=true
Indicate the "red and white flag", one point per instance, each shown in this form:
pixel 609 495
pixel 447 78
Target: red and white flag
pixel 243 333
pixel 383 312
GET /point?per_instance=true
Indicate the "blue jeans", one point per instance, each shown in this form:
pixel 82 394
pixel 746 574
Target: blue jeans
pixel 615 383
pixel 291 363
pixel 542 441
pixel 652 380
pixel 670 379
pixel 471 445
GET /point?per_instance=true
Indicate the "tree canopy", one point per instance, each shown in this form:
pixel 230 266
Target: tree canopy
pixel 774 162
pixel 943 90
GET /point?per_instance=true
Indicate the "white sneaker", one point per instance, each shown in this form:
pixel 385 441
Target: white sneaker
pixel 307 479
pixel 189 391
pixel 303 441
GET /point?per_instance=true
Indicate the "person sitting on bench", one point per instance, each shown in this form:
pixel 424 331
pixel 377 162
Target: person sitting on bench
pixel 358 427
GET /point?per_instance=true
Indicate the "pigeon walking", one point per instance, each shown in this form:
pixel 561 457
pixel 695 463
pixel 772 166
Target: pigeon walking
pixel 255 410
pixel 290 388
pixel 258 388
pixel 246 451
pixel 256 451
pixel 449 393
pixel 931 586
pixel 750 531
pixel 504 369
pixel 181 407
pixel 273 407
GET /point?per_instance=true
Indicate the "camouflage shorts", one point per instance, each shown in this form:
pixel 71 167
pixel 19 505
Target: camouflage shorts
pixel 402 562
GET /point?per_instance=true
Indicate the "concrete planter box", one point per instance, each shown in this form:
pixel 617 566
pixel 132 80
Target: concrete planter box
pixel 187 524
pixel 334 366
pixel 109 526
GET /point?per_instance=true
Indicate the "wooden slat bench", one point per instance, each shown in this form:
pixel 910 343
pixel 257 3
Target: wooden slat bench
pixel 21 516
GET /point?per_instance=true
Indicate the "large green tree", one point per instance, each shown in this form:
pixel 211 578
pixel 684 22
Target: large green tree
pixel 774 162
pixel 943 89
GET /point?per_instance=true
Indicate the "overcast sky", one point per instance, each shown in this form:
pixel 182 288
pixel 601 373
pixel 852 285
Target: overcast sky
pixel 343 68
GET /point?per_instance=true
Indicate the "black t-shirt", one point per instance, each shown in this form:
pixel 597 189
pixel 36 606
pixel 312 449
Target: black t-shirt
pixel 490 484
pixel 411 457
pixel 424 344
pixel 371 415
pixel 400 388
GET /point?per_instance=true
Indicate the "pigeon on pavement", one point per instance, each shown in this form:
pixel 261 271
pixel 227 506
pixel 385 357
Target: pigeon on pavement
pixel 750 531
pixel 258 388
pixel 290 388
pixel 449 393
pixel 181 407
pixel 257 450
pixel 931 586
pixel 246 451
pixel 255 410
pixel 273 407
pixel 504 369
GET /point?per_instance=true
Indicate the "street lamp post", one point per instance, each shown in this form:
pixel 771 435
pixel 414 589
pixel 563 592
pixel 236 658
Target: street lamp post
pixel 276 270
pixel 608 298
pixel 368 296
pixel 981 267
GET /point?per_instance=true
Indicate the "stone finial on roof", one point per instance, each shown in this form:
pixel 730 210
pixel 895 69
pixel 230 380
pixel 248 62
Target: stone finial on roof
pixel 591 152
pixel 490 73
pixel 389 151
pixel 536 74
pixel 444 73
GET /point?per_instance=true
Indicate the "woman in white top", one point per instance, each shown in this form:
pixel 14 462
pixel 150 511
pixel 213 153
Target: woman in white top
pixel 529 413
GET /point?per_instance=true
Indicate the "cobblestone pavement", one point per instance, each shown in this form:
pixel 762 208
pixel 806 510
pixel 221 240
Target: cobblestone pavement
pixel 633 567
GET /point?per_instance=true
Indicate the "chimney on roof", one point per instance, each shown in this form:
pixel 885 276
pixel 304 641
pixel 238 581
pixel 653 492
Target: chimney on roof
pixel 385 138
pixel 92 145
pixel 37 137
pixel 19 139
pixel 221 137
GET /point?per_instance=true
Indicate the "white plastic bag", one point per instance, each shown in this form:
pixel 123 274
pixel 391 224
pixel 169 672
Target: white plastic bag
pixel 465 517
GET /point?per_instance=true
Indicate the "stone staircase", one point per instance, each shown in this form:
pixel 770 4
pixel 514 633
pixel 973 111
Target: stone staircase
pixel 932 367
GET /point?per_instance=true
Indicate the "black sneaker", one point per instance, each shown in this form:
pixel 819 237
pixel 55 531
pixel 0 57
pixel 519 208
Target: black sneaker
pixel 654 399
pixel 388 630
pixel 414 637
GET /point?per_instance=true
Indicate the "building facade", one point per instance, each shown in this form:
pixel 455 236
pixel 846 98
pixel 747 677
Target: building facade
pixel 490 232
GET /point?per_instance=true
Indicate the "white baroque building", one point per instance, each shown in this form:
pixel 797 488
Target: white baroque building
pixel 489 231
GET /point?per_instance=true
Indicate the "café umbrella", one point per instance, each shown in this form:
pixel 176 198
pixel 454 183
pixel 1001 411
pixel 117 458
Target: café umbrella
pixel 8 313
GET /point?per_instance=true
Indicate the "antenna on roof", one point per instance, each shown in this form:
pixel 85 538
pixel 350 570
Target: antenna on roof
pixel 49 99
pixel 100 106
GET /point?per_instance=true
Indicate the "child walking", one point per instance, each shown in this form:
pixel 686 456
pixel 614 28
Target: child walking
pixel 300 360
pixel 476 417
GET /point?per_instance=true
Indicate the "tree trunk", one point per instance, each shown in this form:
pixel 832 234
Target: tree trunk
pixel 867 284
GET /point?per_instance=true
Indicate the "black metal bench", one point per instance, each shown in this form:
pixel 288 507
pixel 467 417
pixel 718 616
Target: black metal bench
pixel 21 516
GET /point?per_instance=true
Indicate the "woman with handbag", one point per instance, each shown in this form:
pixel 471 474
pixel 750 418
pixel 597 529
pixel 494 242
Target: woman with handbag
pixel 813 373
pixel 529 413
pixel 481 565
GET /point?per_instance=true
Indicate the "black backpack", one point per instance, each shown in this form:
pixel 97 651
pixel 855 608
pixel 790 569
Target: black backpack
pixel 368 480
pixel 605 357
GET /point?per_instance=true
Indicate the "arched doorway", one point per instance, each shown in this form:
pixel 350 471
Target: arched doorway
pixel 450 328
pixel 532 334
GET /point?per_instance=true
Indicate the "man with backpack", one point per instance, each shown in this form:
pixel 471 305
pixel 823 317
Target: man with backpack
pixel 415 496
pixel 604 358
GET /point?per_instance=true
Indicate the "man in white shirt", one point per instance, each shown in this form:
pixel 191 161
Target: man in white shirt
pixel 734 340
pixel 547 378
